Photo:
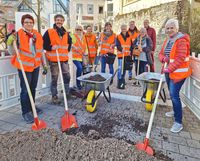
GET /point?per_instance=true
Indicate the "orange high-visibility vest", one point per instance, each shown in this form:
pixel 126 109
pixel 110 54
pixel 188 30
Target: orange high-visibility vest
pixel 134 35
pixel 62 46
pixel 91 44
pixel 106 42
pixel 30 60
pixel 184 69
pixel 78 49
pixel 126 45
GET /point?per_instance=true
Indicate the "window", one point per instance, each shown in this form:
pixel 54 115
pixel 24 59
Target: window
pixel 90 8
pixel 100 9
pixel 79 7
pixel 110 9
pixel 23 8
pixel 56 6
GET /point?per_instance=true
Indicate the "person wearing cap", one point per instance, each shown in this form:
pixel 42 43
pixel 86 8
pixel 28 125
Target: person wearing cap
pixel 107 44
pixel 58 39
pixel 30 47
pixel 175 52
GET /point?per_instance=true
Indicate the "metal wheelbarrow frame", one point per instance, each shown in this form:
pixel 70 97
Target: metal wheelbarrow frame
pixel 93 86
pixel 150 82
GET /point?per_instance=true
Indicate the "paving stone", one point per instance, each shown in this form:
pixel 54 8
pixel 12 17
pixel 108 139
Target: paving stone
pixel 193 143
pixel 8 126
pixel 195 136
pixel 193 152
pixel 156 144
pixel 178 157
pixel 170 146
pixel 185 134
pixel 177 140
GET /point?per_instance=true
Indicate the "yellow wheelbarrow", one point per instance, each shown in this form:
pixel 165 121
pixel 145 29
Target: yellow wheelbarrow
pixel 150 82
pixel 94 86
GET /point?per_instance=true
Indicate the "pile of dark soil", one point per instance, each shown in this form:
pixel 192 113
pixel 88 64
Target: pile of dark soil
pixel 51 145
pixel 96 77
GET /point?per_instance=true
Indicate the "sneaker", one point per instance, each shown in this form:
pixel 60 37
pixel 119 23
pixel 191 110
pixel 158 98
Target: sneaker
pixel 176 127
pixel 169 114
pixel 55 100
pixel 28 117
pixel 39 111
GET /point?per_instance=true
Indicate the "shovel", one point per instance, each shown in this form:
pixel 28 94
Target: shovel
pixel 38 124
pixel 67 121
pixel 145 146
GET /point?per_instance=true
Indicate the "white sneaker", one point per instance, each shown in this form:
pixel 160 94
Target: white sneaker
pixel 169 114
pixel 176 127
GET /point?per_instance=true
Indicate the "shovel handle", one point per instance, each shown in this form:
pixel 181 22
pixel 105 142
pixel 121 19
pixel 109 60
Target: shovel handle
pixel 26 81
pixel 62 82
pixel 154 105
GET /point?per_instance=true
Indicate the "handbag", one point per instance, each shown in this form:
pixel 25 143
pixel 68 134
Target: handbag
pixel 110 58
pixel 136 50
pixel 128 63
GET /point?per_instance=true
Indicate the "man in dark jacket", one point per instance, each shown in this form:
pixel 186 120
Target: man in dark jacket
pixel 152 34
pixel 59 40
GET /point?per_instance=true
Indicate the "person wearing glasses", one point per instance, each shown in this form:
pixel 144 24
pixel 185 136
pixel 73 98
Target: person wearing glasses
pixel 57 38
pixel 175 52
pixel 107 44
pixel 78 52
pixel 30 47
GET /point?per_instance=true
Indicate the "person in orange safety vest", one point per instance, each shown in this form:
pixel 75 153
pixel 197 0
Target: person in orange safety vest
pixel 57 38
pixel 107 44
pixel 91 44
pixel 30 47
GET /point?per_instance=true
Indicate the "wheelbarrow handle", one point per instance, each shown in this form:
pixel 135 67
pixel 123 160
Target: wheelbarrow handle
pixel 113 76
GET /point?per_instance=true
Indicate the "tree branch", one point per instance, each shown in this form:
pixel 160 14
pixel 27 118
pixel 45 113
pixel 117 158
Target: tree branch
pixel 29 6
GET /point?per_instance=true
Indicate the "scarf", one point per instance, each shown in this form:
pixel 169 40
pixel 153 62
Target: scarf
pixel 61 31
pixel 30 36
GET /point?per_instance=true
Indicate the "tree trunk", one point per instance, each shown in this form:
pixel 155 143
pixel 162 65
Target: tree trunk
pixel 38 17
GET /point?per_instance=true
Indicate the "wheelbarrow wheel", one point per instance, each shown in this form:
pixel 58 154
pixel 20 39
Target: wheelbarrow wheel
pixel 149 97
pixel 90 99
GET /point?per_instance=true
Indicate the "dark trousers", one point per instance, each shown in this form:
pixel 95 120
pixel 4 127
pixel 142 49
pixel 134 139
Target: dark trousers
pixel 103 66
pixel 79 71
pixel 142 66
pixel 174 90
pixel 32 78
pixel 54 76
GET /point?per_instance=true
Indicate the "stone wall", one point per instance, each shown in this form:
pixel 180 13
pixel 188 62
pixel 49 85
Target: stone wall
pixel 158 15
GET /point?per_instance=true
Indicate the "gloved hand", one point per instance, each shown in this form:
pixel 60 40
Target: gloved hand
pixel 166 70
pixel 45 70
pixel 166 59
pixel 54 47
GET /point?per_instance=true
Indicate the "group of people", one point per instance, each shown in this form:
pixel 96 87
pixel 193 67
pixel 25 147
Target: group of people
pixel 85 47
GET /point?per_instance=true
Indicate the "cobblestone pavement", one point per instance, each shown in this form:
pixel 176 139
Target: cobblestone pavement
pixel 129 122
pixel 124 116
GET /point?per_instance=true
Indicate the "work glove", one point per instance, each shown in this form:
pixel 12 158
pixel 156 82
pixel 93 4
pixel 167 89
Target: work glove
pixel 166 70
pixel 45 70
pixel 166 59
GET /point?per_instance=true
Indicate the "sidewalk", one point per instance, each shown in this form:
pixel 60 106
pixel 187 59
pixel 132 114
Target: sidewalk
pixel 120 119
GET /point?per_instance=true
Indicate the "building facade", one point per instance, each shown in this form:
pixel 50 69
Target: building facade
pixel 84 12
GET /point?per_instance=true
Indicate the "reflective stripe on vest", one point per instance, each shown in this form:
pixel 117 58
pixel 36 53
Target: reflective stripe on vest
pixel 185 60
pixel 26 63
pixel 60 54
pixel 180 70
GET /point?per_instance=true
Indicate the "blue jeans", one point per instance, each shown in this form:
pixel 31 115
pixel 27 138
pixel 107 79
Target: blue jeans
pixel 120 75
pixel 142 66
pixel 79 70
pixel 32 78
pixel 103 66
pixel 130 73
pixel 174 89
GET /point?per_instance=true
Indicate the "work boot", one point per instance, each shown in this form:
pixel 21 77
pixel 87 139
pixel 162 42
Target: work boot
pixel 55 100
pixel 28 117
pixel 39 111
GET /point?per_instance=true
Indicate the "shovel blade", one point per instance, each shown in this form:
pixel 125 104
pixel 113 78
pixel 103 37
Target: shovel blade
pixel 146 148
pixel 38 125
pixel 68 121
